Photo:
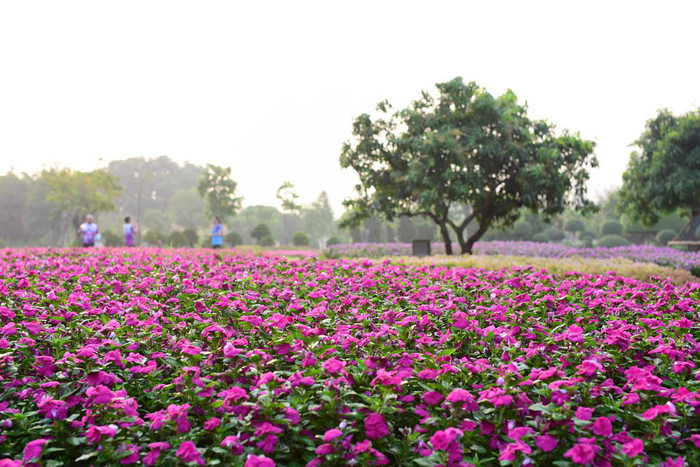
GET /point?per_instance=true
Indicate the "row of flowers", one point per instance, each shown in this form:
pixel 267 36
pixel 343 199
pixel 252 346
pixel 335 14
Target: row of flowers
pixel 663 256
pixel 157 357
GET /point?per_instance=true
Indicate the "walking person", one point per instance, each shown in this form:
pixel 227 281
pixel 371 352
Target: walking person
pixel 88 230
pixel 217 233
pixel 129 232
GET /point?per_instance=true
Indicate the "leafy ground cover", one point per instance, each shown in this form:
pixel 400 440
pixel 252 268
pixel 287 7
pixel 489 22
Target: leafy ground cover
pixel 167 357
pixel 663 256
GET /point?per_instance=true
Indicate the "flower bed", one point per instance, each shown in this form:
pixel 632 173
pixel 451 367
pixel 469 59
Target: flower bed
pixel 663 256
pixel 163 357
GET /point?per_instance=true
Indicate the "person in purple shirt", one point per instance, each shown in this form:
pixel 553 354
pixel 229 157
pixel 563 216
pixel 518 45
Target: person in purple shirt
pixel 88 230
pixel 129 232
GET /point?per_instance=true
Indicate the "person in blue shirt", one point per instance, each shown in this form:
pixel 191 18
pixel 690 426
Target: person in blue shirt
pixel 217 233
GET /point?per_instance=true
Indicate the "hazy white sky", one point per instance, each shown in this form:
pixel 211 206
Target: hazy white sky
pixel 271 88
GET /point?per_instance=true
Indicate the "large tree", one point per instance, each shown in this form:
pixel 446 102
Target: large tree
pixel 218 189
pixel 665 175
pixel 75 194
pixel 464 147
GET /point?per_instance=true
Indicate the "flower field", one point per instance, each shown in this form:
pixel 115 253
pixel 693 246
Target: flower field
pixel 186 357
pixel 663 256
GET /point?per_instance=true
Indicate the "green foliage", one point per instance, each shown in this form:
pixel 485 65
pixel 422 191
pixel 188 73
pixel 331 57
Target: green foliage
pixel 522 230
pixel 176 239
pixel 695 271
pixel 574 225
pixel 665 175
pixel 218 189
pixel 154 238
pixel 75 194
pixel 187 209
pixel 555 234
pixel 267 240
pixel 463 147
pixel 664 236
pixel 334 241
pixel 260 231
pixel 233 238
pixel 191 236
pixel 610 241
pixel 407 230
pixel 288 197
pixel 611 228
pixel 301 239
pixel 540 237
pixel 109 238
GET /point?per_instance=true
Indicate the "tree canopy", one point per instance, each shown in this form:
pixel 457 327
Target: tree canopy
pixel 665 174
pixel 219 189
pixel 463 147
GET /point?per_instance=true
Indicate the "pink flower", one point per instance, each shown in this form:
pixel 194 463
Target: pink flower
pixel 602 426
pixel 232 443
pixel 188 453
pixel 10 463
pixel 258 461
pixel 333 366
pixel 630 399
pixel 696 440
pixel 324 449
pixel 584 413
pixel 546 442
pixel 375 426
pixel 677 462
pixel 33 450
pixel 133 457
pixel 268 444
pixel 633 448
pixel 653 412
pixel 212 423
pixel 95 432
pixel 583 452
pixel 332 434
pixel 432 397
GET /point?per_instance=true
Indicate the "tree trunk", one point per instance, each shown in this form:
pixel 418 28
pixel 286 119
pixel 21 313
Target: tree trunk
pixel 469 244
pixel 446 237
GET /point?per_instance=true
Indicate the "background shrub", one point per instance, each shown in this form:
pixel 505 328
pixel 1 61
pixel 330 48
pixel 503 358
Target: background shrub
pixel 260 231
pixel 267 240
pixel 301 239
pixel 611 241
pixel 611 228
pixel 574 225
pixel 154 238
pixel 555 234
pixel 522 230
pixel 665 235
pixel 192 237
pixel 540 237
pixel 176 239
pixel 233 238
pixel 333 241
pixel 109 238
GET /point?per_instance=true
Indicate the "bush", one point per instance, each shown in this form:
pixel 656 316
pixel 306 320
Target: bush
pixel 301 239
pixel 665 235
pixel 611 228
pixel 522 229
pixel 540 237
pixel 177 239
pixel 154 238
pixel 555 234
pixel 192 237
pixel 109 238
pixel 233 238
pixel 267 240
pixel 695 271
pixel 610 241
pixel 574 225
pixel 260 231
pixel 333 241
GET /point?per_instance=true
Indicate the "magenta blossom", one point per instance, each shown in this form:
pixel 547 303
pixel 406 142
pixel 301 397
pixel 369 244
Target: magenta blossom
pixel 375 426
pixel 33 450
pixel 188 452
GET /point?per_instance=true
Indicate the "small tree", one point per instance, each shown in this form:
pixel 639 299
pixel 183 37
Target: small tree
pixel 301 239
pixel 522 230
pixel 218 189
pixel 555 234
pixel 233 238
pixel 176 239
pixel 611 228
pixel 267 240
pixel 664 236
pixel 191 236
pixel 260 231
pixel 464 147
